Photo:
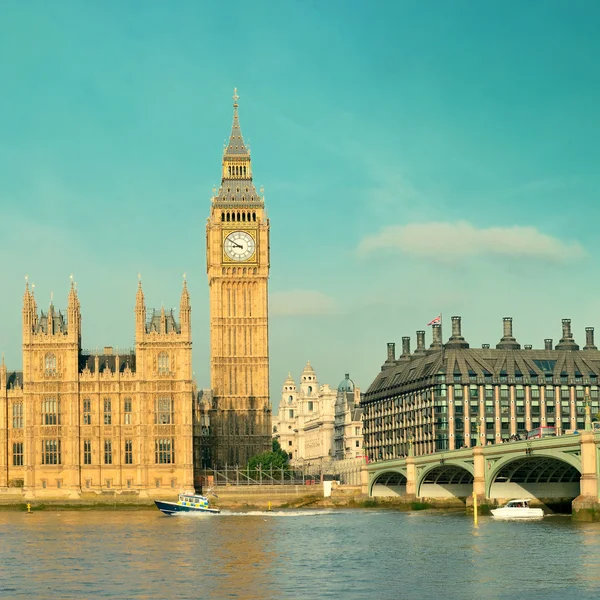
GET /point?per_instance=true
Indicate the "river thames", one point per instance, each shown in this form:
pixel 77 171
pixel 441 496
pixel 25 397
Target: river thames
pixel 348 554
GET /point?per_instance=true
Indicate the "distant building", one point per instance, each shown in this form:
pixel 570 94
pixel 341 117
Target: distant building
pixel 449 395
pixel 348 434
pixel 316 424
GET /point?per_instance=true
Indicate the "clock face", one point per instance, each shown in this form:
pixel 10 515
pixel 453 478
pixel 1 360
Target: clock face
pixel 239 245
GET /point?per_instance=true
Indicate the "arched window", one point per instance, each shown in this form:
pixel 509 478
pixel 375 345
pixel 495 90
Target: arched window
pixel 228 216
pixel 254 216
pixel 163 363
pixel 222 216
pixel 243 215
pixel 50 364
pixel 290 399
pixel 309 390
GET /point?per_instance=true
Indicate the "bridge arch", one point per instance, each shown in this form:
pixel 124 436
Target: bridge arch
pixel 448 479
pixel 543 475
pixel 388 483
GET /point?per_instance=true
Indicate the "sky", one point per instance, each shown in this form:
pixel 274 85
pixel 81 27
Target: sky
pixel 418 158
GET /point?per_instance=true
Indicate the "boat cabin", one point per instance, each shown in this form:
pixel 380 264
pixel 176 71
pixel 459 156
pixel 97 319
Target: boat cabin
pixel 192 500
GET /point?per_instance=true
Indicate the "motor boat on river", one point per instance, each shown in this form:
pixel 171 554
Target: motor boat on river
pixel 518 509
pixel 186 503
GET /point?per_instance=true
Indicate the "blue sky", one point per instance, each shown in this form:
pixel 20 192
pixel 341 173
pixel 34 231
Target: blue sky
pixel 417 158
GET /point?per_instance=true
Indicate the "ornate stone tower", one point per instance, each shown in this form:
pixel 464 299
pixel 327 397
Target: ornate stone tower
pixel 51 348
pixel 237 257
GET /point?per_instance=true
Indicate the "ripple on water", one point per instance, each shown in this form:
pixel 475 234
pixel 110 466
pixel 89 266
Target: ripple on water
pixel 295 554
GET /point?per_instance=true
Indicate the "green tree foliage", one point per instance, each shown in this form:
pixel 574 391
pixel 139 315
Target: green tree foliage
pixel 277 459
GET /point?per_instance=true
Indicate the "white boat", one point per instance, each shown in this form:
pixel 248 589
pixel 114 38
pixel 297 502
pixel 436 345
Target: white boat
pixel 186 503
pixel 518 509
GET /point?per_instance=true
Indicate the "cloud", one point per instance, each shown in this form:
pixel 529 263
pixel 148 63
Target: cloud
pixel 452 242
pixel 301 302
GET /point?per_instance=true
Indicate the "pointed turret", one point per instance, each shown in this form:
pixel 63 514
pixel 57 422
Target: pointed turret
pixel 236 145
pixel 74 313
pixel 29 310
pixel 2 374
pixel 185 310
pixel 236 175
pixel 163 320
pixel 140 312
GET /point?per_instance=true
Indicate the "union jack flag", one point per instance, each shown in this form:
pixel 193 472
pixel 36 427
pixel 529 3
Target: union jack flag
pixel 436 321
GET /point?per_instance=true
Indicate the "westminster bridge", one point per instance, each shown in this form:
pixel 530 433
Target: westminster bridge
pixel 552 470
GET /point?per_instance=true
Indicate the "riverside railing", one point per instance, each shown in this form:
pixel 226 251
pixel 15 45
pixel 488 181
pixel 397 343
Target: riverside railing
pixel 348 473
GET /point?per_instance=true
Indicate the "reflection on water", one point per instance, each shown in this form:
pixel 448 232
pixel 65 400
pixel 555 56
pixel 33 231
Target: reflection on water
pixel 295 554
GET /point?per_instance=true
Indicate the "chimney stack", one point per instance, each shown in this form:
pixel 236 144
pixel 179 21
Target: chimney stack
pixel 548 344
pixel 485 346
pixel 589 339
pixel 456 340
pixel 391 356
pixel 436 333
pixel 527 346
pixel 567 342
pixel 456 327
pixel 508 342
pixel 391 351
pixel 405 347
pixel 420 342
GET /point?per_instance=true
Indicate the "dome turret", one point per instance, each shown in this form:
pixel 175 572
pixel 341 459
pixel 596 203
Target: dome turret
pixel 347 385
pixel 308 374
pixel 289 385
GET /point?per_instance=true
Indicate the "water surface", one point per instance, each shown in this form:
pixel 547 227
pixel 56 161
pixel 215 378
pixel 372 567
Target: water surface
pixel 349 554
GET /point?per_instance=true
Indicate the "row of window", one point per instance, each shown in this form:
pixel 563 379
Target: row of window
pixel 51 414
pixel 440 392
pixel 238 216
pixel 164 452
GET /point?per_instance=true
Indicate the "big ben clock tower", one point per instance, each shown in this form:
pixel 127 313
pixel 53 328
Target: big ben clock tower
pixel 237 261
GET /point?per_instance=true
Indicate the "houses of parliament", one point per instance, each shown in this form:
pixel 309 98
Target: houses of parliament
pixel 74 423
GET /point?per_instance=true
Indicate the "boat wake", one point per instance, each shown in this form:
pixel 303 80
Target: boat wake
pixel 277 513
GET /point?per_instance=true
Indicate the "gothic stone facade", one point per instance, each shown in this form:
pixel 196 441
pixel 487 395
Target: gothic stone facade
pixel 237 418
pixel 450 395
pixel 74 422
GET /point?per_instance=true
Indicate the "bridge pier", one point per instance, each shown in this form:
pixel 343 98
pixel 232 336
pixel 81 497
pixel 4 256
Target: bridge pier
pixel 478 483
pixel 586 507
pixel 411 479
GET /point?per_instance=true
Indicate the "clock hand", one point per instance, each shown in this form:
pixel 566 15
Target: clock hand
pixel 235 244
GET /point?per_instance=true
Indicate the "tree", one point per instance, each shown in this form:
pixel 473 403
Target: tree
pixel 277 459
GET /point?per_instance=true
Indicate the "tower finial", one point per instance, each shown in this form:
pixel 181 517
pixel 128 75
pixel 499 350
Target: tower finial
pixel 235 98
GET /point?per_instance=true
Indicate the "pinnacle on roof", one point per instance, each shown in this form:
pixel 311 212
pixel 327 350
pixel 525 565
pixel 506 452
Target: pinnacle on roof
pixel 308 368
pixel 185 295
pixel 73 301
pixel 139 297
pixel 236 146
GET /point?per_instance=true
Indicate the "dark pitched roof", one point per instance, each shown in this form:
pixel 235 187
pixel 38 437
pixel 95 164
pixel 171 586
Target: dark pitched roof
pixel 51 318
pixel 483 363
pixel 14 379
pixel 107 361
pixel 153 322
